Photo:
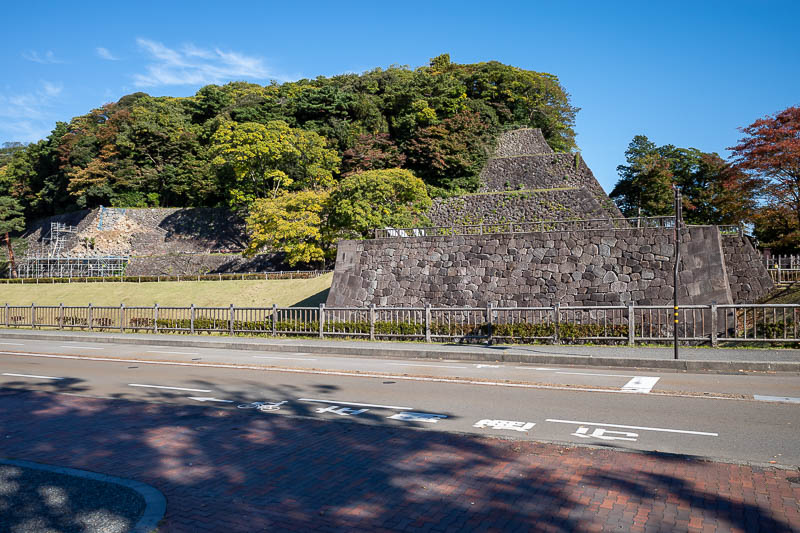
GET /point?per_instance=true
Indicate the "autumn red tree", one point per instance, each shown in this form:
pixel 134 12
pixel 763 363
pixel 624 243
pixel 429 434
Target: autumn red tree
pixel 771 151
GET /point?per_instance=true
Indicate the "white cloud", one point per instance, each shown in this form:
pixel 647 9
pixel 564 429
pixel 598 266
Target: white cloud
pixel 29 116
pixel 105 53
pixel 191 65
pixel 48 58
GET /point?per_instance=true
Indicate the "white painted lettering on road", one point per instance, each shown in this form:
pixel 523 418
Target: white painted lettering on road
pixel 418 417
pixel 29 376
pixel 164 387
pixel 640 384
pixel 644 428
pixel 504 424
pixel 342 411
pixel 605 434
pixel 338 402
pixel 788 399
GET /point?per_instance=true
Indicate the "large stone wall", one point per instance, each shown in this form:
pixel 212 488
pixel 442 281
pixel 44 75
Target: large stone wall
pixel 191 264
pixel 516 206
pixel 748 277
pixel 601 267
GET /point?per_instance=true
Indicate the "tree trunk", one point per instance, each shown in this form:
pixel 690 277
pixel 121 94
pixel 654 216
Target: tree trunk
pixel 12 269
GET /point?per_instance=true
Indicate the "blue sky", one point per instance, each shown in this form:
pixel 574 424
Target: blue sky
pixel 685 73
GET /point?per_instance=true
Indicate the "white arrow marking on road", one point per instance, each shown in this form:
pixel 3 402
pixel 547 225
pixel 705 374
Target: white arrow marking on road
pixel 579 423
pixel 208 399
pixel 29 376
pixel 163 387
pixel 641 384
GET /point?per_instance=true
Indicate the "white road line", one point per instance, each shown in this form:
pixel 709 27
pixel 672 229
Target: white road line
pixel 286 358
pixel 434 366
pixel 579 423
pixel 29 376
pixel 179 353
pixel 763 398
pixel 368 375
pixel 163 387
pixel 537 369
pixel 335 402
pixel 594 374
pixel 641 384
pixel 11 344
pixel 82 347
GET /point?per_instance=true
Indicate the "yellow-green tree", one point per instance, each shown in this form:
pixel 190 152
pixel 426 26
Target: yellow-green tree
pixel 268 159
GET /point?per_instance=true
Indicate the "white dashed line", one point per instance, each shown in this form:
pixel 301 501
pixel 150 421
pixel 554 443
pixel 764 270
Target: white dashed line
pixel 433 366
pixel 29 376
pixel 595 374
pixel 178 353
pixel 645 428
pixel 82 347
pixel 335 402
pixel 170 388
pixel 285 358
pixel 11 344
pixel 788 399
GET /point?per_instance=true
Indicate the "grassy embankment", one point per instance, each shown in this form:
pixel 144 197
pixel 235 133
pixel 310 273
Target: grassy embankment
pixel 784 295
pixel 250 293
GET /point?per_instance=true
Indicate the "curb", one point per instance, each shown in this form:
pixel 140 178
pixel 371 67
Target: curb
pixel 414 352
pixel 155 504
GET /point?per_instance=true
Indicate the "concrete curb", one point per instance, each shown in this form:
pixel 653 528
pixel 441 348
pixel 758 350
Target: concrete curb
pixel 154 501
pixel 422 351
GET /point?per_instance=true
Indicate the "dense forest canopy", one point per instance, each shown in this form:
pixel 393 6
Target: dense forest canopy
pixel 232 144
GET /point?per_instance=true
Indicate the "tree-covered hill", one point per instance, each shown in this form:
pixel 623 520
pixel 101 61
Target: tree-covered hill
pixel 242 141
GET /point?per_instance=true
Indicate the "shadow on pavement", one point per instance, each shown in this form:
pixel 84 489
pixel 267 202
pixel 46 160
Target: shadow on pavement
pixel 245 470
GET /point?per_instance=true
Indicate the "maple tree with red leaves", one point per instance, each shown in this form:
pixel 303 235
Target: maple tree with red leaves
pixel 771 151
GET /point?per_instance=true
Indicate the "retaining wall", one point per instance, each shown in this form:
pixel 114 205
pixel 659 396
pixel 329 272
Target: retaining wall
pixel 748 277
pixel 602 267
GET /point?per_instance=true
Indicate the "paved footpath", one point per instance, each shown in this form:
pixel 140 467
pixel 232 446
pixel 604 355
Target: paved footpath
pixel 247 470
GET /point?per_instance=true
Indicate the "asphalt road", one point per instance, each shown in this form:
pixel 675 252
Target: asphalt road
pixel 710 415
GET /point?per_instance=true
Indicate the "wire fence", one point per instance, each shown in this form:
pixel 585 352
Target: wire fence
pixel 288 274
pixel 774 324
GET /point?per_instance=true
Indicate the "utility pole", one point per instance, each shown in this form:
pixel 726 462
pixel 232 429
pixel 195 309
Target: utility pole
pixel 677 241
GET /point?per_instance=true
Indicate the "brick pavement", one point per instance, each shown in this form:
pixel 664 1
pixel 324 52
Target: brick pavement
pixel 244 470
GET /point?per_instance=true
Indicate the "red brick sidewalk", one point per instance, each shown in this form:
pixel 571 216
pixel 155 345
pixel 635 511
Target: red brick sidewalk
pixel 229 470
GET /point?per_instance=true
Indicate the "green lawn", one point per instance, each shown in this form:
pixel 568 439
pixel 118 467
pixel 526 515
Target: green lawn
pixel 250 293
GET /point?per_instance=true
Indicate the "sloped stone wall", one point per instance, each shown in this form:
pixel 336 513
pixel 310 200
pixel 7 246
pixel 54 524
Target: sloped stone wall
pixel 516 206
pixel 748 277
pixel 601 267
pixel 522 141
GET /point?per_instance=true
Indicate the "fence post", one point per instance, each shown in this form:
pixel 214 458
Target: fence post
pixel 631 325
pixel 122 317
pixel 90 314
pixel 230 323
pixel 6 314
pixel 191 319
pixel 60 316
pixel 714 325
pixel 372 322
pixel 155 318
pixel 427 322
pixel 557 318
pixel 489 321
pixel 274 320
pixel 321 320
pixel 33 315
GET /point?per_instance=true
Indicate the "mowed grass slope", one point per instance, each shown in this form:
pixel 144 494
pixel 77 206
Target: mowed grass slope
pixel 250 293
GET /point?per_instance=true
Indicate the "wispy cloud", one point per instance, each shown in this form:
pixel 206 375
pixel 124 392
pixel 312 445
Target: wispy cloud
pixel 105 53
pixel 29 116
pixel 191 65
pixel 47 58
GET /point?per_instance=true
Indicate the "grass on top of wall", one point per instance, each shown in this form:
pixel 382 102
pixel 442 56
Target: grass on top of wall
pixel 248 293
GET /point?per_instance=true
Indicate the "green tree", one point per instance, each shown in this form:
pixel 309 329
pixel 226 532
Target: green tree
pixel 268 159
pixel 11 219
pixel 376 199
pixel 291 222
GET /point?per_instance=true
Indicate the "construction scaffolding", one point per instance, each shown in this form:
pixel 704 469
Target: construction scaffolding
pixel 51 259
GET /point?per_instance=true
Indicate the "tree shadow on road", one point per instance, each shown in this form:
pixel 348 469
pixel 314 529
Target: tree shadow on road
pixel 248 470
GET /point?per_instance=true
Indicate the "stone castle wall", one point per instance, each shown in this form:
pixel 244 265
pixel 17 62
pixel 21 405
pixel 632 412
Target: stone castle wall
pixel 601 267
pixel 748 277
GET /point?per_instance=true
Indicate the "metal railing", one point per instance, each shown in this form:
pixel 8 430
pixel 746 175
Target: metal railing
pixel 288 274
pixel 788 261
pixel 626 324
pixel 785 276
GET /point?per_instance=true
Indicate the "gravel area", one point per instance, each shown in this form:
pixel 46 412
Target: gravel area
pixel 42 501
